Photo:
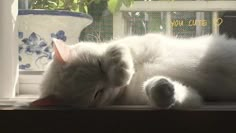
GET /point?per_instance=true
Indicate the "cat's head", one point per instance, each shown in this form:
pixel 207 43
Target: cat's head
pixel 78 75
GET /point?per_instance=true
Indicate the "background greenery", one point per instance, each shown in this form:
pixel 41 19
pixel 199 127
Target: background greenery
pixel 81 5
pixel 102 12
pixel 78 5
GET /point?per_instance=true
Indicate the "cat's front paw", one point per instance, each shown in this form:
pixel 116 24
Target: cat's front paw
pixel 160 92
pixel 119 65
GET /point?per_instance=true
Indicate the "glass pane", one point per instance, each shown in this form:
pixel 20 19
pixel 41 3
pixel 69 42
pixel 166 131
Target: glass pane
pixel 183 24
pixel 227 26
pixel 100 30
pixel 139 23
pixel 190 24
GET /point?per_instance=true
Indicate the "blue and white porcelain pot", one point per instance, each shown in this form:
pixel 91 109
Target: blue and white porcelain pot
pixel 36 29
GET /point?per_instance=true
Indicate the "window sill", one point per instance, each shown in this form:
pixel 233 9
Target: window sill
pixel 18 101
pixel 22 102
pixel 29 82
pixel 117 121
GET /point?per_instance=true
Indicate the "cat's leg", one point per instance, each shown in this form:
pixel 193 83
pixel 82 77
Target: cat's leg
pixel 118 64
pixel 165 93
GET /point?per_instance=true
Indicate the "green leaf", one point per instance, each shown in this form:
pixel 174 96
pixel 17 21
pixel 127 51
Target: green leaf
pixel 75 1
pixel 61 3
pixel 128 3
pixel 86 9
pixel 97 1
pixel 74 6
pixel 114 5
pixel 82 7
pixel 52 5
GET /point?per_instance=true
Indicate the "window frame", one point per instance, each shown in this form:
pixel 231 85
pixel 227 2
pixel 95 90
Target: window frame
pixel 29 78
pixel 119 23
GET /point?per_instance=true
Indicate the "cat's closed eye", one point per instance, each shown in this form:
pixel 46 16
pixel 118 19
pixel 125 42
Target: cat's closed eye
pixel 98 93
pixel 100 66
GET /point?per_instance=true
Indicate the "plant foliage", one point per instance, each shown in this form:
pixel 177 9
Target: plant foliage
pixel 78 5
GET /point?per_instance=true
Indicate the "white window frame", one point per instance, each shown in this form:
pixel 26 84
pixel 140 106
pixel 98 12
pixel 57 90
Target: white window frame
pixel 29 80
pixel 8 48
pixel 9 79
pixel 119 23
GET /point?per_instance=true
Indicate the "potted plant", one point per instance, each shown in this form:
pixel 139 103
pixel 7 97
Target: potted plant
pixel 63 19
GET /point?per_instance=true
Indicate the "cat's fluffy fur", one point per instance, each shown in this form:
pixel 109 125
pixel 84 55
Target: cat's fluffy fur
pixel 154 69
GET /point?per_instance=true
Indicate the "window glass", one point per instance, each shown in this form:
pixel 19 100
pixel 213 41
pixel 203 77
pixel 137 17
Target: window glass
pixel 35 51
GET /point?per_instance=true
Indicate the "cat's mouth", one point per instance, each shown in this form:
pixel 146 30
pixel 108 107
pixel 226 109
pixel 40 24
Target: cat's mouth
pixel 47 102
pixel 53 101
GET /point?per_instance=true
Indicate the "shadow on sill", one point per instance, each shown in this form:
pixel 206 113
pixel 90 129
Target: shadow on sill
pixel 118 119
pixel 210 118
pixel 208 107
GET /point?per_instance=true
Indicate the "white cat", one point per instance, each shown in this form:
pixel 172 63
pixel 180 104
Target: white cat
pixel 154 69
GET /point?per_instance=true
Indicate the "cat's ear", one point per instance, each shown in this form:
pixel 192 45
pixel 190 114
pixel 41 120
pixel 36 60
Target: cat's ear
pixel 62 51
